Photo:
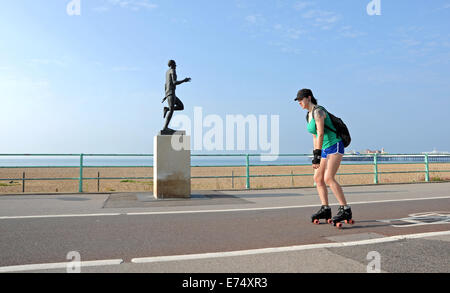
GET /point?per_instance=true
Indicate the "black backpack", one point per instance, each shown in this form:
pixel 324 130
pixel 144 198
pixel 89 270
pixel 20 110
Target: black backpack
pixel 339 125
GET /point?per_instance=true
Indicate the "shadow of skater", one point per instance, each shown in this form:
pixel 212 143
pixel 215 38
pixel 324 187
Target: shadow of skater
pixel 368 224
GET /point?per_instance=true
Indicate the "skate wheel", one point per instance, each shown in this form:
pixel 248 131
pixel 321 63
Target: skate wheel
pixel 339 225
pixel 351 222
pixel 317 222
pixel 330 221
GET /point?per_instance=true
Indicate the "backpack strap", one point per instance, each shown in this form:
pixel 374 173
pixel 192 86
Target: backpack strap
pixel 315 108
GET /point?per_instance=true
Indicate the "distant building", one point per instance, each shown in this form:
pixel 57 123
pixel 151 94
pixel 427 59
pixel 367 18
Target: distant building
pixel 352 152
pixel 435 152
pixel 367 151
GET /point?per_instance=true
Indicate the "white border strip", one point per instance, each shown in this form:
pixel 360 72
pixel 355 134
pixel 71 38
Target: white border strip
pixel 214 211
pixel 49 266
pixel 60 265
pixel 279 208
pixel 59 216
pixel 283 249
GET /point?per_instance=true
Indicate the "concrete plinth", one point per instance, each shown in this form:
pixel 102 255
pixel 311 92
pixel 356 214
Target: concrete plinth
pixel 172 166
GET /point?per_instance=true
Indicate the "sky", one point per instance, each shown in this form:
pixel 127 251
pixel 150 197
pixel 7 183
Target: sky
pixel 93 82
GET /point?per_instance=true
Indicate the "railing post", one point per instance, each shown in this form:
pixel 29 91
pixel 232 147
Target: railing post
pixel 375 163
pixel 80 185
pixel 98 182
pixel 247 164
pixel 427 169
pixel 23 182
pixel 292 178
pixel 232 179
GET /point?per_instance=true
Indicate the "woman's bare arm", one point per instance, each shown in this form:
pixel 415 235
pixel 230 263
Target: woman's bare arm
pixel 319 117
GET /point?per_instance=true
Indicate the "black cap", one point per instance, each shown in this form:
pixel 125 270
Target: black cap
pixel 303 93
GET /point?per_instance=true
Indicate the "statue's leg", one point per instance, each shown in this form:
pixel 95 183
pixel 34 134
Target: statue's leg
pixel 178 104
pixel 171 102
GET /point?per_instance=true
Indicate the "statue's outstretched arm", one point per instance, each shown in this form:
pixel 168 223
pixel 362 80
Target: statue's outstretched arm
pixel 177 82
pixel 188 79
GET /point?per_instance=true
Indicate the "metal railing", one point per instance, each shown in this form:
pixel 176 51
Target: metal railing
pixel 371 159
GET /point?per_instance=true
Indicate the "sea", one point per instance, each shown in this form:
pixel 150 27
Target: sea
pixel 147 161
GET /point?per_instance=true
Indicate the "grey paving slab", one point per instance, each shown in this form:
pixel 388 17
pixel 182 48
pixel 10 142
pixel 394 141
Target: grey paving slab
pixel 313 261
pixel 140 200
pixel 25 205
pixel 405 256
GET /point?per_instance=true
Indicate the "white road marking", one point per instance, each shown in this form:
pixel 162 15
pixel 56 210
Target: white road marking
pixel 61 265
pixel 214 211
pixel 49 266
pixel 421 219
pixel 283 249
pixel 278 208
pixel 60 216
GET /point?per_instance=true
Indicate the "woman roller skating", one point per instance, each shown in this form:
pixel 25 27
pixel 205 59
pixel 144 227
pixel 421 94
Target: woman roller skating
pixel 328 153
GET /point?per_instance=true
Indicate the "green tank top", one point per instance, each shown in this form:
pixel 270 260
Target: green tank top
pixel 330 138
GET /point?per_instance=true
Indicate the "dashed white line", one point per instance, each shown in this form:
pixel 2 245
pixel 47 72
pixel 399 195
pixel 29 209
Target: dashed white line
pixel 59 216
pixel 283 249
pixel 214 210
pixel 143 260
pixel 277 208
pixel 60 265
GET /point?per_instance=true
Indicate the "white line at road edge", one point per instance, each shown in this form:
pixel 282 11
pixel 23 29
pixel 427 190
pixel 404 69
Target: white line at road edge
pixel 283 249
pixel 213 211
pixel 278 208
pixel 60 265
pixel 60 216
pixel 36 267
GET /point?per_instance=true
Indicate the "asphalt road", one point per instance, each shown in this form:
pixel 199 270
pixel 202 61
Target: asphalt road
pixel 230 232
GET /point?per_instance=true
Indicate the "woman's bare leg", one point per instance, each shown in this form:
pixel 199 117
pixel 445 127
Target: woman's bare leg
pixel 320 182
pixel 334 162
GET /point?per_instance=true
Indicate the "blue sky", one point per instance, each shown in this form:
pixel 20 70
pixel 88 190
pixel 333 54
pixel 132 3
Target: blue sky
pixel 93 83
